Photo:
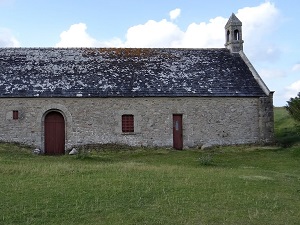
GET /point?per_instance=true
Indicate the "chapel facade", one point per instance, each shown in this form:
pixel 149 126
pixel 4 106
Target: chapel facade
pixel 56 98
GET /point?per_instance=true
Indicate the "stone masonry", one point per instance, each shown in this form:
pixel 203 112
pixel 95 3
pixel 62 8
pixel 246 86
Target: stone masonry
pixel 206 120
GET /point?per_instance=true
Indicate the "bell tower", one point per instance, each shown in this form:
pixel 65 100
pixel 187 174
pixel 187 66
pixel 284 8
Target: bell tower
pixel 233 34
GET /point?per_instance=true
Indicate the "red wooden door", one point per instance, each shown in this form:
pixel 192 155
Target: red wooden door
pixel 177 132
pixel 54 134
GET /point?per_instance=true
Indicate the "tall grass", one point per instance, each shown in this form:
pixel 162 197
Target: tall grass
pixel 287 130
pixel 238 185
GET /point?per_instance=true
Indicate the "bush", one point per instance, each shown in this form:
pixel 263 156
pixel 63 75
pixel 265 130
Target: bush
pixel 293 107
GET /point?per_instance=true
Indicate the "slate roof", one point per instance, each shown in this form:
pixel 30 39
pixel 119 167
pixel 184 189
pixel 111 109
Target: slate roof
pixel 124 72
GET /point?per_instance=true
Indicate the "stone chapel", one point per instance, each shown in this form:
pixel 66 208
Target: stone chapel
pixel 58 98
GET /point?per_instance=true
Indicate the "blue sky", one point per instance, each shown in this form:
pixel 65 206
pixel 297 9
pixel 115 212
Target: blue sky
pixel 270 29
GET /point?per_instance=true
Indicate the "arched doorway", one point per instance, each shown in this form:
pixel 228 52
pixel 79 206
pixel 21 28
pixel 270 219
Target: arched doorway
pixel 54 133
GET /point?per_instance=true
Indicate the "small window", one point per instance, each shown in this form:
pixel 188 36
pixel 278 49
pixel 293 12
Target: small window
pixel 127 123
pixel 15 114
pixel 236 35
pixel 227 36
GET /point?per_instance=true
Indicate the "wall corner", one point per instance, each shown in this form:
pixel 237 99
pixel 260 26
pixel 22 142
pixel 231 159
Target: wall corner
pixel 266 119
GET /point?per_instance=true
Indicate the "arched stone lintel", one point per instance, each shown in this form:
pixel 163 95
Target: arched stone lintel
pixel 65 113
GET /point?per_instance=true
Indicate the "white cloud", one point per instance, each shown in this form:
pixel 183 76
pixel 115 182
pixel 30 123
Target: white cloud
pixel 259 19
pixel 167 34
pixel 296 67
pixel 7 39
pixel 293 89
pixel 174 14
pixel 114 42
pixel 76 36
pixel 258 23
pixel 153 34
pixel 205 35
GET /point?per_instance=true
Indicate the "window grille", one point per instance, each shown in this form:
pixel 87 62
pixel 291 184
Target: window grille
pixel 127 123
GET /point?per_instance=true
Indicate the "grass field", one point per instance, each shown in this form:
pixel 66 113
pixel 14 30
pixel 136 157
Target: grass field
pixel 287 131
pixel 120 185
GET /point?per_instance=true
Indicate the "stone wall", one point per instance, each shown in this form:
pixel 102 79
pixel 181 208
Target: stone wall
pixel 213 121
pixel 266 119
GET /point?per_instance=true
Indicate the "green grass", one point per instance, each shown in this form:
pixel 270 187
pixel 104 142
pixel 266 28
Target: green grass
pixel 122 185
pixel 287 130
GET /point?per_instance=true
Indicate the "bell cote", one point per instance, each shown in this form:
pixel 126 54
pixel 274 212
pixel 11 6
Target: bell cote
pixel 233 34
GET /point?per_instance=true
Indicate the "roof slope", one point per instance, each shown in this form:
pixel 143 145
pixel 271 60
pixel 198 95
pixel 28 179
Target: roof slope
pixel 122 72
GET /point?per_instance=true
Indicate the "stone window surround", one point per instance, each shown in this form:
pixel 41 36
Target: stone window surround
pixel 14 113
pixel 137 119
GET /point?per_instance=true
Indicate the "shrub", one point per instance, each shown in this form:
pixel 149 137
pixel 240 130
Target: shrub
pixel 293 107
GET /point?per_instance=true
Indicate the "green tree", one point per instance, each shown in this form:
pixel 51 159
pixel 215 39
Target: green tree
pixel 293 107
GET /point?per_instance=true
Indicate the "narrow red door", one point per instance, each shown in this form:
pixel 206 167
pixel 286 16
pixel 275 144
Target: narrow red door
pixel 54 134
pixel 177 132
